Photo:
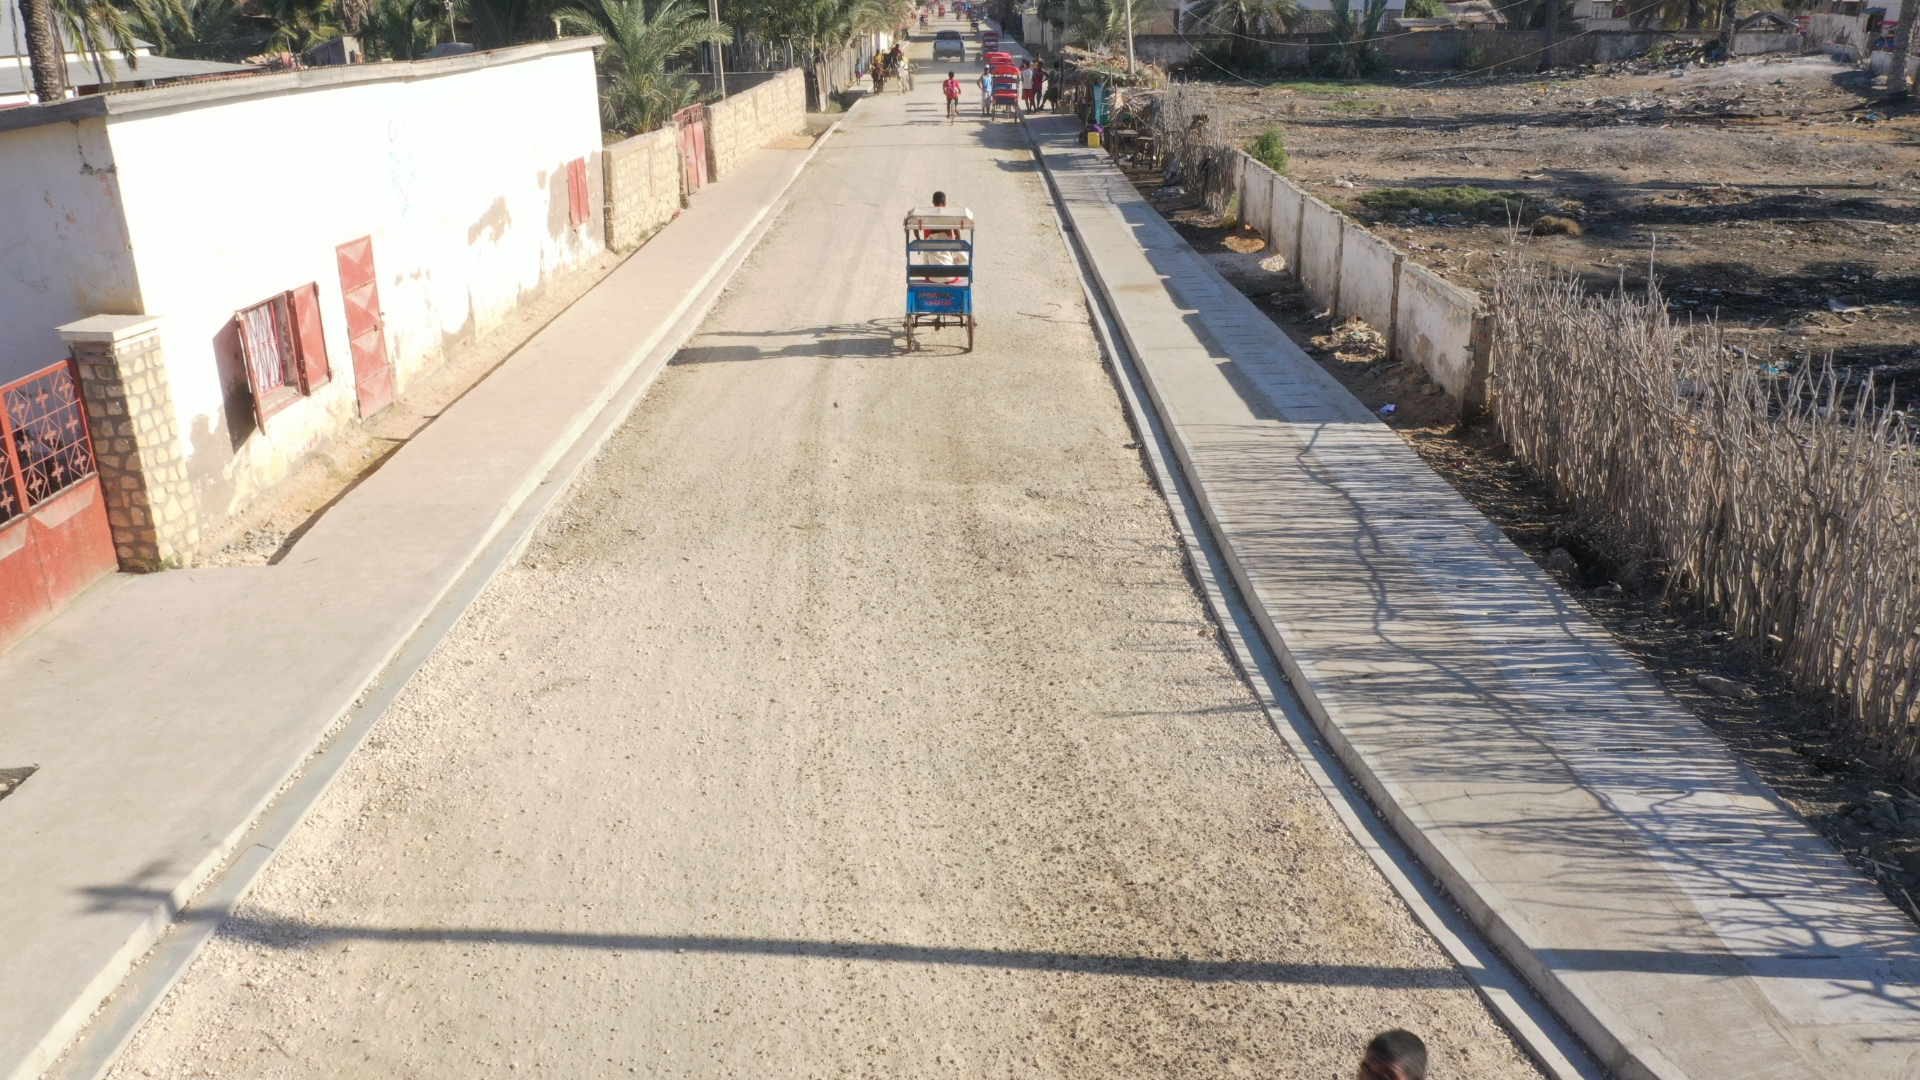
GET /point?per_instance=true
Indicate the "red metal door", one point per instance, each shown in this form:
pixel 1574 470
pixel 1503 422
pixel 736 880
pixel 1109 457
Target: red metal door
pixel 692 122
pixel 366 332
pixel 54 536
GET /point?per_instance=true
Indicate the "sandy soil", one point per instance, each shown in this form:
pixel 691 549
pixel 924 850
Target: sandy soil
pixel 1760 189
pixel 857 717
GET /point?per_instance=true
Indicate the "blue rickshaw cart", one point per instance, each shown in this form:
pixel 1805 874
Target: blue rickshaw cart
pixel 939 272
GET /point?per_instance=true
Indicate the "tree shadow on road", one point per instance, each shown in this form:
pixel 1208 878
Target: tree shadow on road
pixel 875 337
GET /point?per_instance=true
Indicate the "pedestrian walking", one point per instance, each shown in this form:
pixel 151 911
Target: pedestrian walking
pixel 1039 85
pixel 1395 1055
pixel 1027 71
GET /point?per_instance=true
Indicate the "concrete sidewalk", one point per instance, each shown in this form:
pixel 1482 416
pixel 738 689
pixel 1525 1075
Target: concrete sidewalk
pixel 166 711
pixel 1680 918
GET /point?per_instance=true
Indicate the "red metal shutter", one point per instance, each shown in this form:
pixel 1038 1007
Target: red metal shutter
pixel 366 331
pixel 309 341
pixel 580 212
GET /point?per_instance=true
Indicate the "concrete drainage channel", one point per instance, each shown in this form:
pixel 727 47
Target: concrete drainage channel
pixel 1533 1025
pixel 93 1052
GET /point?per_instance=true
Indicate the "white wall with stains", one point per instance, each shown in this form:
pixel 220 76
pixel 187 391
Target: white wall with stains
pixel 214 197
pixel 64 253
pixel 459 177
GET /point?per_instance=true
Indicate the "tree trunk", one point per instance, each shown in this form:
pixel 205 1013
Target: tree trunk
pixel 1729 15
pixel 1694 14
pixel 49 65
pixel 1553 30
pixel 1902 47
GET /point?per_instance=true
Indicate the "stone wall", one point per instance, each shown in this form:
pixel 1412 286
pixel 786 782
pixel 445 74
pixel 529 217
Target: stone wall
pixel 136 440
pixel 748 121
pixel 643 187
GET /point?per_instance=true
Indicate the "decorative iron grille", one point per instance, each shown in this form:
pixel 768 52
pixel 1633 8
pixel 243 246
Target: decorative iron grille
pixel 44 428
pixel 10 505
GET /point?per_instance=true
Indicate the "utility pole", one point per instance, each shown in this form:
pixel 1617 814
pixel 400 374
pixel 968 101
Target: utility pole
pixel 719 56
pixel 1129 4
pixel 1553 30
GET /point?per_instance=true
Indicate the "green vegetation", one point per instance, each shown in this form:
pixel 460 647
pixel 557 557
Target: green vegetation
pixel 1353 53
pixel 1466 201
pixel 1327 86
pixel 818 29
pixel 1270 150
pixel 1426 9
pixel 643 36
pixel 1247 22
pixel 1094 24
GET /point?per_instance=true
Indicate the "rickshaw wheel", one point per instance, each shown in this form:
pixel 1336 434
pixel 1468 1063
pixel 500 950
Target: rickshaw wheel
pixel 910 344
pixel 970 333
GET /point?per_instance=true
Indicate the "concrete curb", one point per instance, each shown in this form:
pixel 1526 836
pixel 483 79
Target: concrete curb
pixel 91 1052
pixel 1552 1046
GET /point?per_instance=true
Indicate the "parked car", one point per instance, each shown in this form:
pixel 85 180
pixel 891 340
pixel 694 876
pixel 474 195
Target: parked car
pixel 947 44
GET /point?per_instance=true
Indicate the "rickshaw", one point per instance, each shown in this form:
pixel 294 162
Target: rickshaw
pixel 939 271
pixel 1006 88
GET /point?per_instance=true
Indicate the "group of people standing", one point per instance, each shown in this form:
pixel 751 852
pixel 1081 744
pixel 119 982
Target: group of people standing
pixel 1037 86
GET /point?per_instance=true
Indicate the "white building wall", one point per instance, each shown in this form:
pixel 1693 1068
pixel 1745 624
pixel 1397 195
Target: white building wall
pixel 63 244
pixel 459 177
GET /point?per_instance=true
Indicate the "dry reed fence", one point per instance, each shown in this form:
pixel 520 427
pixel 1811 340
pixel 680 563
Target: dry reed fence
pixel 1203 162
pixel 1769 500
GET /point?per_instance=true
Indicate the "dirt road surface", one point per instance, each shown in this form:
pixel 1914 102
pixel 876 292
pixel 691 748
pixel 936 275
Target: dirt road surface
pixel 855 718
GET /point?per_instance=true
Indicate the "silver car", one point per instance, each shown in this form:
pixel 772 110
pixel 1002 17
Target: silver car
pixel 947 45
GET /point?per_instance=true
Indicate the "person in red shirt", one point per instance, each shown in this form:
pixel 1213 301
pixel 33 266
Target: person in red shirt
pixel 951 88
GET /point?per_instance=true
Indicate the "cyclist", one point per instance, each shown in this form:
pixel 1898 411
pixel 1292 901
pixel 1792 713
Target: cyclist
pixel 951 88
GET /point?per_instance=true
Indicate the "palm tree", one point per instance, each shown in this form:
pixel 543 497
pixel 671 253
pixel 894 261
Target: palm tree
pixel 1102 24
pixel 98 29
pixel 1246 20
pixel 643 37
pixel 48 60
pixel 1352 54
pixel 293 25
pixel 199 29
pixel 401 29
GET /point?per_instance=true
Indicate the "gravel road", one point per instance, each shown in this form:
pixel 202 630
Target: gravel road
pixel 856 717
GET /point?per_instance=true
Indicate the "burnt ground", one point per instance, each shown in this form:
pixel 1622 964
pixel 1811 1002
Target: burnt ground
pixel 1762 189
pixel 1797 744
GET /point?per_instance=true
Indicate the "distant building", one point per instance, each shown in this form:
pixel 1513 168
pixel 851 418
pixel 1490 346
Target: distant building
pixel 91 74
pixel 334 52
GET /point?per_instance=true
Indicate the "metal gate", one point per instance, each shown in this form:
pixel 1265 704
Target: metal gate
pixel 54 537
pixel 692 123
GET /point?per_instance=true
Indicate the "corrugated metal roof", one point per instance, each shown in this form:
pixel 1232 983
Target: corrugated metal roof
pixel 17 78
